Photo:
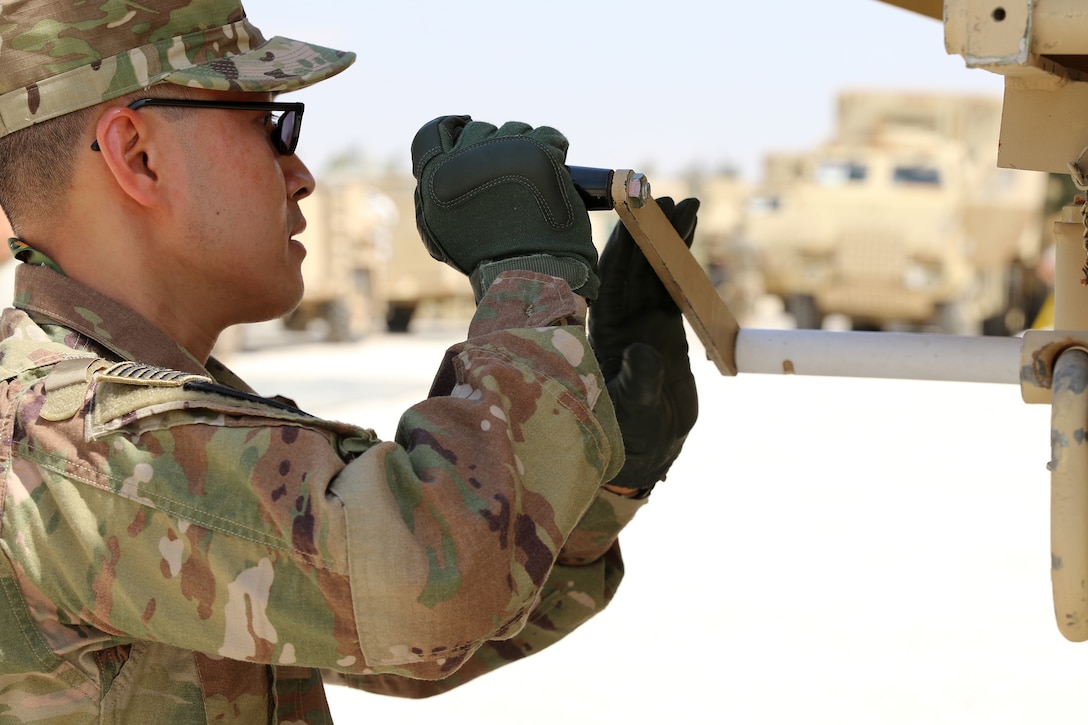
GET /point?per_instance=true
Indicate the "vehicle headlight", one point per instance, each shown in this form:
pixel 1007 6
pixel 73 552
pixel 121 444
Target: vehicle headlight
pixel 921 274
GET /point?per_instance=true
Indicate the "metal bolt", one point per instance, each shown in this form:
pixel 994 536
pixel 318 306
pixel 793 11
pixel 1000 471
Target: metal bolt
pixel 638 190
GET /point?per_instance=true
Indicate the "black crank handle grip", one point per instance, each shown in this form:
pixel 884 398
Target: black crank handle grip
pixel 594 186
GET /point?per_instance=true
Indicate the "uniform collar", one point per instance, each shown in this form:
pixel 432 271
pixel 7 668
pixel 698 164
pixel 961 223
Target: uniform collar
pixel 42 291
pixel 28 254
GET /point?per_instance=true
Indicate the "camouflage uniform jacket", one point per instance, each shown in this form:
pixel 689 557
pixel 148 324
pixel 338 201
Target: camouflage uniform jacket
pixel 177 549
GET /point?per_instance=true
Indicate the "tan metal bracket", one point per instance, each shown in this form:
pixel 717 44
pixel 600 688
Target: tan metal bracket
pixel 678 270
pixel 1039 355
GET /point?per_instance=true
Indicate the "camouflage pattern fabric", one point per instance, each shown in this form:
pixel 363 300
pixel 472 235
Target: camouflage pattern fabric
pixel 177 549
pixel 58 56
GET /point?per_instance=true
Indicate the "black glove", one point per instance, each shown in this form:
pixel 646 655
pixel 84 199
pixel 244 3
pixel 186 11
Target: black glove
pixel 493 199
pixel 637 333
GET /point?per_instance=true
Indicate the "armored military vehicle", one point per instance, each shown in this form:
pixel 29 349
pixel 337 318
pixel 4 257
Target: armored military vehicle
pixel 365 265
pixel 348 241
pixel 902 220
pixel 412 278
pixel 719 244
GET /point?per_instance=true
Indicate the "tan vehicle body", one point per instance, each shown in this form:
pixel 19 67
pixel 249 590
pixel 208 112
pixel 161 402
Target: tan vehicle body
pixel 365 265
pixel 412 277
pixel 902 220
pixel 719 241
pixel 349 227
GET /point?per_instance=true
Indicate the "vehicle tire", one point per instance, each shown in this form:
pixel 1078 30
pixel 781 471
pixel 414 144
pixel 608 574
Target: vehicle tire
pixel 342 326
pixel 951 320
pixel 296 321
pixel 806 315
pixel 399 316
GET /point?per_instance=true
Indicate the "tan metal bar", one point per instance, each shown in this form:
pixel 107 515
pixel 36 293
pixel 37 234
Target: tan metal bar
pixel 1069 495
pixel 930 8
pixel 681 274
pixel 1010 36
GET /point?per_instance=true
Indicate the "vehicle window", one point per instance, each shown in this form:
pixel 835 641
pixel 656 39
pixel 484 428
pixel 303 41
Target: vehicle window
pixel 917 174
pixel 763 204
pixel 833 172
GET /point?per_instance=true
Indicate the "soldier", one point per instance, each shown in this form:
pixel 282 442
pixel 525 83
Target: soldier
pixel 176 548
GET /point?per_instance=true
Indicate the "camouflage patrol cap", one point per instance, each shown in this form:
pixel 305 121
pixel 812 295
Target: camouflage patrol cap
pixel 58 56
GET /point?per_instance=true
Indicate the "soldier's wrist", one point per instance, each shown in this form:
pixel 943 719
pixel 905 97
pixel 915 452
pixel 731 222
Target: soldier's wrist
pixel 635 493
pixel 582 280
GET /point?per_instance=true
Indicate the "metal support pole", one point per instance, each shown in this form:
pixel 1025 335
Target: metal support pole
pixel 1069 494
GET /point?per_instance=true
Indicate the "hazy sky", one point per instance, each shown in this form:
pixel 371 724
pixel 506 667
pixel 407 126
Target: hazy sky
pixel 637 84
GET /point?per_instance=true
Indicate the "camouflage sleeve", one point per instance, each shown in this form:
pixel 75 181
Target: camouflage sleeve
pixel 580 585
pixel 460 522
pixel 210 521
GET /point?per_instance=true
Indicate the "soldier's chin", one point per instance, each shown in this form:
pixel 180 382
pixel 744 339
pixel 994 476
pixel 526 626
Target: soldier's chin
pixel 291 304
pixel 287 298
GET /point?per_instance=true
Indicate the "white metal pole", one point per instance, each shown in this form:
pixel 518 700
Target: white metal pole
pixel 907 356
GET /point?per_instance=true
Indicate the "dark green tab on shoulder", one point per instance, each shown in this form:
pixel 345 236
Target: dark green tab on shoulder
pixel 203 385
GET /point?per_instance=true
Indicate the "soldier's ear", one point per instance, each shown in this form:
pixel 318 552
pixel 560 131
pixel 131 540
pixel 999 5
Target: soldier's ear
pixel 124 139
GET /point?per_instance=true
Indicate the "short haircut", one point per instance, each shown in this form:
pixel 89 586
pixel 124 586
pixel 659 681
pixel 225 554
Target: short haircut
pixel 37 163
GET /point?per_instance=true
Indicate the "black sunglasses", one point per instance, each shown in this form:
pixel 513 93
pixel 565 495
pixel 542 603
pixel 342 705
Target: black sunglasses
pixel 285 129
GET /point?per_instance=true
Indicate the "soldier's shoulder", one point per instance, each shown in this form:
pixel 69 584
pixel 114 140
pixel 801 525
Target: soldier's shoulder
pixel 136 397
pixel 188 385
pixel 109 392
pixel 126 388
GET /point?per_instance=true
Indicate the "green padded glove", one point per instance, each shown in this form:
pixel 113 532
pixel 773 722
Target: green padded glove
pixel 493 199
pixel 637 334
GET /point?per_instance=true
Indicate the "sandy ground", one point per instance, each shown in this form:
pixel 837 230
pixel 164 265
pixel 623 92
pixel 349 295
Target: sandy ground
pixel 825 551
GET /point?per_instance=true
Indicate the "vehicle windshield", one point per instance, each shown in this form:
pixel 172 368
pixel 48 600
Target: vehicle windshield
pixel 917 174
pixel 836 172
